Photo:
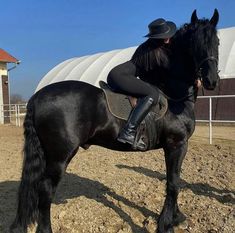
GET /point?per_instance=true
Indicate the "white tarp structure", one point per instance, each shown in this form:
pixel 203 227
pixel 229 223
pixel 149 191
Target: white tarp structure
pixel 227 52
pixel 96 67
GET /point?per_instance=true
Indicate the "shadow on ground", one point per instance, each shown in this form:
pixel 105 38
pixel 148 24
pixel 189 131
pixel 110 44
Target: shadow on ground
pixel 222 195
pixel 73 186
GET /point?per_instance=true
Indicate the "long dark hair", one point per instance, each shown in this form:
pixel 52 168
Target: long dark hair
pixel 152 54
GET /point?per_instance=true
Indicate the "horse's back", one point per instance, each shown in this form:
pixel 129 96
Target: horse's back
pixel 65 112
pixel 65 94
pixel 65 89
pixel 66 98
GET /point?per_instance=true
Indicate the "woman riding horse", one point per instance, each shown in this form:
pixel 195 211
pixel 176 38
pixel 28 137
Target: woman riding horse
pixel 148 62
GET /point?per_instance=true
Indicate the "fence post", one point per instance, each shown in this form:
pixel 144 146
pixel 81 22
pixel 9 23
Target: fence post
pixel 1 115
pixel 15 108
pixel 18 110
pixel 210 120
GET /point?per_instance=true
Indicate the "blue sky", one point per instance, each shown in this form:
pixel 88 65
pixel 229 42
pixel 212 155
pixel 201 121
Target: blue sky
pixel 44 33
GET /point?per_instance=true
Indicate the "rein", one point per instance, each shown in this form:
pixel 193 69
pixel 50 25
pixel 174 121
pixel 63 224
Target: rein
pixel 180 99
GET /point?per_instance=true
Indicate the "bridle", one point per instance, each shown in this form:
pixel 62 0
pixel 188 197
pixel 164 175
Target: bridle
pixel 199 67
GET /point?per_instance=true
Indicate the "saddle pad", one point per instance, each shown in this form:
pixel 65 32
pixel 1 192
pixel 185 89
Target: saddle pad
pixel 119 105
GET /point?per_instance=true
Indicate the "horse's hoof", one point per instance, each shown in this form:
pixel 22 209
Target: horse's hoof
pixel 171 230
pixel 14 229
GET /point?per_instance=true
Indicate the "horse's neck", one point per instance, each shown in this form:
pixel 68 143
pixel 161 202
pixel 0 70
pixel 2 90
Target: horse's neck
pixel 179 90
pixel 182 63
pixel 180 80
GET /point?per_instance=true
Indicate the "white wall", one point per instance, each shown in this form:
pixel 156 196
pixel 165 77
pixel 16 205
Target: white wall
pixel 3 71
pixel 1 101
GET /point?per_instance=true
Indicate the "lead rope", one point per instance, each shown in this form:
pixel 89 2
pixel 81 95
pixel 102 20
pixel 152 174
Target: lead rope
pixel 203 92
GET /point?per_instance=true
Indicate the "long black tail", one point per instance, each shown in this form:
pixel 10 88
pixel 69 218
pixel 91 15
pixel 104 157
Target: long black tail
pixel 32 172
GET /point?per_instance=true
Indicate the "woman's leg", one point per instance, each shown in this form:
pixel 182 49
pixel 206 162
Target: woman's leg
pixel 122 78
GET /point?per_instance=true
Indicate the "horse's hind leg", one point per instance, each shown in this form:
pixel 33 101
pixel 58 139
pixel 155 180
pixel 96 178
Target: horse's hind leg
pixel 47 188
pixel 171 215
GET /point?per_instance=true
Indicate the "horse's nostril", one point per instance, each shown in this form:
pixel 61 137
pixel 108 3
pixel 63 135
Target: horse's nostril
pixel 208 84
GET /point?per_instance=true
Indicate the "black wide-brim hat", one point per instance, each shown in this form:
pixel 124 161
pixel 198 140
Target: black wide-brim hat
pixel 161 29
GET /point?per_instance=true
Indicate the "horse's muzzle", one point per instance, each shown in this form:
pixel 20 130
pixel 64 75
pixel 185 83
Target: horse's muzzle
pixel 210 84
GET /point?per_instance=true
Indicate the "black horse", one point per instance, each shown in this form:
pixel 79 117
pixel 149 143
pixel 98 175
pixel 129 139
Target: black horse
pixel 67 115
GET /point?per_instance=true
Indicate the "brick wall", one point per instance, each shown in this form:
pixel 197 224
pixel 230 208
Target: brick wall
pixel 222 109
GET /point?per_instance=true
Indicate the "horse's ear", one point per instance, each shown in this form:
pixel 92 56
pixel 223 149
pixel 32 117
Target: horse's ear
pixel 215 18
pixel 194 17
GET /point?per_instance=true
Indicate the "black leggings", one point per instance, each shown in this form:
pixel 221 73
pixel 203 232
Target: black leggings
pixel 122 78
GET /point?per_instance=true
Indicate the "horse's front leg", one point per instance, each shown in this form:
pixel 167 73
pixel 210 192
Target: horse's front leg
pixel 171 215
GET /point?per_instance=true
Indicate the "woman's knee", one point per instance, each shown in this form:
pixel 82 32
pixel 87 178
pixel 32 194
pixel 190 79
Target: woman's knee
pixel 122 71
pixel 155 96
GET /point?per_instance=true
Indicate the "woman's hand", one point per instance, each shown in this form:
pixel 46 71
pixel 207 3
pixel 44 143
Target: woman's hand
pixel 198 83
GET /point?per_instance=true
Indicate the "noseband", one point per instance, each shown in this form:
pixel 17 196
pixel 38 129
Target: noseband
pixel 199 68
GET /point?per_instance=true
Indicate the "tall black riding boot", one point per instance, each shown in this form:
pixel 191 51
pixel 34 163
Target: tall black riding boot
pixel 128 133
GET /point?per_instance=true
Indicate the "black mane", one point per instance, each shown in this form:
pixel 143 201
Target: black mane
pixel 192 37
pixel 192 43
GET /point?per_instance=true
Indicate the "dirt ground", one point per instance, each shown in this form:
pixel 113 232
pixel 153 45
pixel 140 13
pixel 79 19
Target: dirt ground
pixel 118 192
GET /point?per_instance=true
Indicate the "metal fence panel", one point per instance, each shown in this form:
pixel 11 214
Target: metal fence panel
pixel 13 113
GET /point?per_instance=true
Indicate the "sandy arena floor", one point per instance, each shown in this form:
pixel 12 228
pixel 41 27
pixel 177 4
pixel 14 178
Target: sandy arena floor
pixel 118 192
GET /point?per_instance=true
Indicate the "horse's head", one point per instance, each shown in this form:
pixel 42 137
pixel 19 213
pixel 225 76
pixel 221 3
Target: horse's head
pixel 204 45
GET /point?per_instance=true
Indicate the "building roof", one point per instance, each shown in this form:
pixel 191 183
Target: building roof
pixel 96 67
pixel 6 57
